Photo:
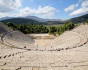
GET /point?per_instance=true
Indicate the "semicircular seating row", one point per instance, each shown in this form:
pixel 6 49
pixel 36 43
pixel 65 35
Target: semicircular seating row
pixel 19 40
pixel 15 38
pixel 77 37
pixel 68 39
pixel 72 39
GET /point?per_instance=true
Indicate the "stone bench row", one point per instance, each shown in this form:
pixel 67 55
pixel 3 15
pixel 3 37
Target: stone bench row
pixel 1 57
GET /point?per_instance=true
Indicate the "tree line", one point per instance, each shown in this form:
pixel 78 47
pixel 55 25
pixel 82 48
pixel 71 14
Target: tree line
pixel 31 28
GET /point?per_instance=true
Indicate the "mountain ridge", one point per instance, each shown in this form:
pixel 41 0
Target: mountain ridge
pixel 31 17
pixel 37 20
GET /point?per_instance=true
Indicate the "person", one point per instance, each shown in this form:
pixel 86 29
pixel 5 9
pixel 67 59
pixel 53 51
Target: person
pixel 24 46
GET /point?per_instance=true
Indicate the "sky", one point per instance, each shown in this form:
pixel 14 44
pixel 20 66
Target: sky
pixel 47 9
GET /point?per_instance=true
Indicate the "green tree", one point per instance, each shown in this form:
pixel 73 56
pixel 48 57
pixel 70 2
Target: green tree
pixel 50 31
pixel 11 25
pixel 87 21
pixel 70 25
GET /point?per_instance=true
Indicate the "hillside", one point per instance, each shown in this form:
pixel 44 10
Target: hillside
pixel 22 21
pixel 31 20
pixel 79 19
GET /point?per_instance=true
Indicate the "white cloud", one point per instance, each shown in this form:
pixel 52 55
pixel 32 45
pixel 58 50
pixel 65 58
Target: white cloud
pixel 71 7
pixel 85 4
pixel 45 12
pixel 9 5
pixel 27 11
pixel 3 14
pixel 82 10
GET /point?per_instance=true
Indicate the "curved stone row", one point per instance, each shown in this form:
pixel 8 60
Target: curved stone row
pixel 12 54
pixel 18 41
pixel 12 39
pixel 12 42
pixel 57 49
pixel 15 38
pixel 82 42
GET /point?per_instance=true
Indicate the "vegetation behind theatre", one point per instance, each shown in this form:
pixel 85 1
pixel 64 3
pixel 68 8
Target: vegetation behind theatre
pixel 31 28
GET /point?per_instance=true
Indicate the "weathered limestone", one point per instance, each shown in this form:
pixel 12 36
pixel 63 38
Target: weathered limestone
pixel 68 52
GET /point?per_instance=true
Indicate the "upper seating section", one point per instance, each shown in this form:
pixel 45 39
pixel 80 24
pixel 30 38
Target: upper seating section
pixel 82 29
pixel 4 28
pixel 15 38
pixel 67 39
pixel 19 40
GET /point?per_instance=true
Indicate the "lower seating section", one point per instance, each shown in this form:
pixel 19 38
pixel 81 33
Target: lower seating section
pixel 7 51
pixel 31 60
pixel 7 55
